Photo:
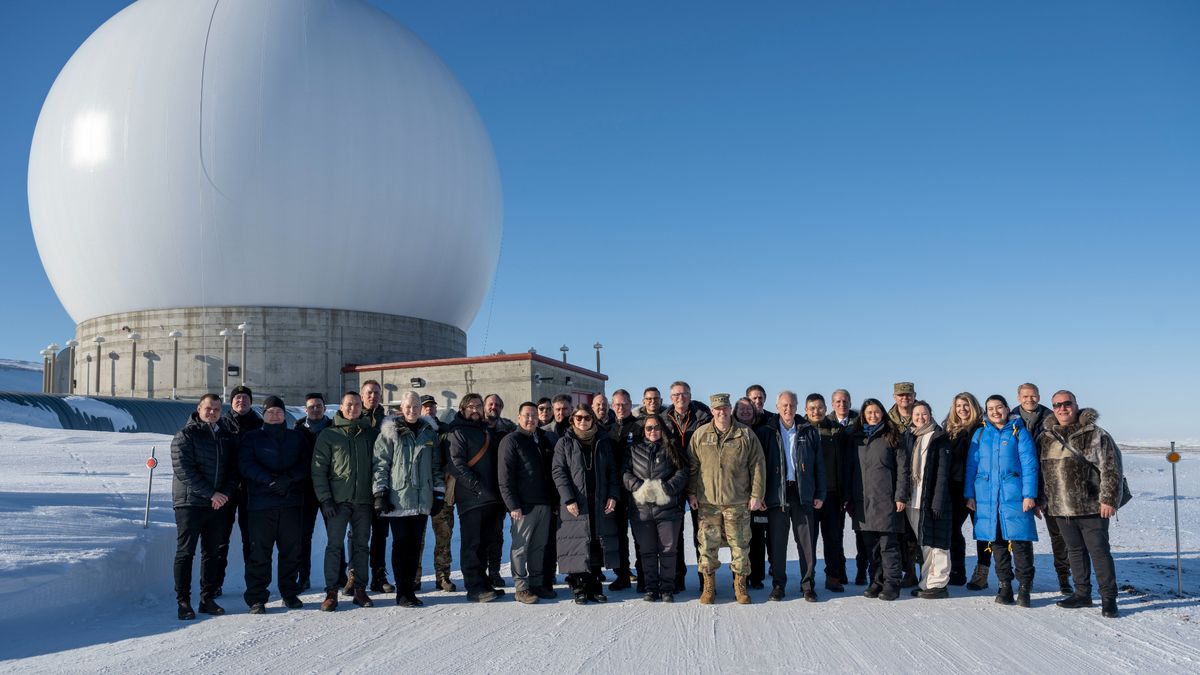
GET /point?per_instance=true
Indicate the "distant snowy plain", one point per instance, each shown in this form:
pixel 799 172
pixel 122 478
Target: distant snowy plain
pixel 84 588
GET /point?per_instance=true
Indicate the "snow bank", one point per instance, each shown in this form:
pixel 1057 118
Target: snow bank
pixel 20 376
pixel 97 409
pixel 30 415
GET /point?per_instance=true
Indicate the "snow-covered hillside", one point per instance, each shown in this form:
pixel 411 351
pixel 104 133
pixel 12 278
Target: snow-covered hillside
pixel 20 375
pixel 84 588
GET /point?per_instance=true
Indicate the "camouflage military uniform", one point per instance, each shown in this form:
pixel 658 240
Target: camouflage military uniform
pixel 719 524
pixel 443 529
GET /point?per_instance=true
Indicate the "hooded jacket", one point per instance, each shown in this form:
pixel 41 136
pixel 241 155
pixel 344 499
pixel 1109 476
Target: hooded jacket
pixel 1081 467
pixel 407 467
pixel 342 461
pixel 203 461
pixel 1002 471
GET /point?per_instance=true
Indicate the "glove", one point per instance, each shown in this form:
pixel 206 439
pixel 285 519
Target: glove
pixel 281 485
pixel 382 505
pixel 936 513
pixel 328 509
pixel 439 503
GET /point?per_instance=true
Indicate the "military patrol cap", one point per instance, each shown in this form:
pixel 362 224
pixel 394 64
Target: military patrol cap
pixel 718 401
pixel 904 388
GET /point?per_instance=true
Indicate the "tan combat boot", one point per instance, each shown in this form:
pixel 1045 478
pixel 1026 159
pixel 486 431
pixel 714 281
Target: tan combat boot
pixel 709 593
pixel 739 589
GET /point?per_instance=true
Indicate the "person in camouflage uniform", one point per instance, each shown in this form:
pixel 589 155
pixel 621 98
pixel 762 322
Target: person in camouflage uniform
pixel 727 483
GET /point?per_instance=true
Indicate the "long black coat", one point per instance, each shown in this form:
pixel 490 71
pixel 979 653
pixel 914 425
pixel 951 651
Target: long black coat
pixel 935 494
pixel 650 461
pixel 575 532
pixel 879 479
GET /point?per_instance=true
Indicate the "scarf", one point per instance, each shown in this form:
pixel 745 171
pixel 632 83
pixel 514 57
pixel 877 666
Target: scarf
pixel 870 429
pixel 585 436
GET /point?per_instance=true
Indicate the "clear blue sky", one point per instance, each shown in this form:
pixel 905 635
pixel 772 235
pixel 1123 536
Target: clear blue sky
pixel 803 194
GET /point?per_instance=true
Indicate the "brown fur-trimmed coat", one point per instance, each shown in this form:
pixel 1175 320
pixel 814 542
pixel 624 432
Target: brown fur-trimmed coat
pixel 1072 486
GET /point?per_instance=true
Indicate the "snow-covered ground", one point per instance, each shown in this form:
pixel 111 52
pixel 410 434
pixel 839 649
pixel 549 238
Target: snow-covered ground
pixel 84 588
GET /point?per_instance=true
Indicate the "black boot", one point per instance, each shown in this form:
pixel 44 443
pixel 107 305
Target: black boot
pixel 1023 595
pixel 621 583
pixel 1108 608
pixel 209 606
pixel 1075 601
pixel 979 580
pixel 379 581
pixel 186 613
pixel 1064 585
pixel 1004 596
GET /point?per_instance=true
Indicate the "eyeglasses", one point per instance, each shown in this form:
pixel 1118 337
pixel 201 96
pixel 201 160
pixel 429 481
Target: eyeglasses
pixel 473 406
pixel 314 407
pixel 581 418
pixel 1064 404
pixel 653 428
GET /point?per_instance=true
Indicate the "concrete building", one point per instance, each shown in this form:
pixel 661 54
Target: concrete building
pixel 515 377
pixel 206 223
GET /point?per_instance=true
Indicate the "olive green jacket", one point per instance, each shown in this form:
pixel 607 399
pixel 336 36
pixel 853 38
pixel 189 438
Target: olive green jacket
pixel 342 461
pixel 727 469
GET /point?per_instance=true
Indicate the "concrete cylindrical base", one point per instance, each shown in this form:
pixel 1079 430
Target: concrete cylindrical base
pixel 288 351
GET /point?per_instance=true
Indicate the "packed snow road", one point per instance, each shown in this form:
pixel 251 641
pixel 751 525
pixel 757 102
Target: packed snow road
pixel 85 589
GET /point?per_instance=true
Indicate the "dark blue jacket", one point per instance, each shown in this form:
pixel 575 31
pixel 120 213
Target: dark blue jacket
pixel 266 454
pixel 807 456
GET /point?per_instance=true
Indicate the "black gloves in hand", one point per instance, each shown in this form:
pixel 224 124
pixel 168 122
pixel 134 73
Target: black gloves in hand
pixel 439 503
pixel 328 508
pixel 382 505
pixel 281 485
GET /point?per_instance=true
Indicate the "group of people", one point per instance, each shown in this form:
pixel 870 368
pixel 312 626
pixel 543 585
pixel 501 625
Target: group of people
pixel 574 480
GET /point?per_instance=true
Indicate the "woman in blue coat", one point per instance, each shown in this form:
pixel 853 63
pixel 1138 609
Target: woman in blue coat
pixel 1001 488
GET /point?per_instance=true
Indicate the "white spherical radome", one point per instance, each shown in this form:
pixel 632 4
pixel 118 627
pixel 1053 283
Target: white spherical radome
pixel 308 153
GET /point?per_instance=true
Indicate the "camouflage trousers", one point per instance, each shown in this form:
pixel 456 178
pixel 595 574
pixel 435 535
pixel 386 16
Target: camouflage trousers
pixel 721 524
pixel 443 530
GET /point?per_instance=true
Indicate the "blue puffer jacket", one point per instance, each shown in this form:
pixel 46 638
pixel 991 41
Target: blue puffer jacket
pixel 1002 470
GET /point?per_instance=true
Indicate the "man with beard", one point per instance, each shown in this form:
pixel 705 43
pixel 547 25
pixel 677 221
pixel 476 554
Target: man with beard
pixel 474 465
pixel 493 408
pixel 561 406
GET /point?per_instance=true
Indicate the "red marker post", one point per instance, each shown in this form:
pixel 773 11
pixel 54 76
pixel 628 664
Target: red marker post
pixel 151 462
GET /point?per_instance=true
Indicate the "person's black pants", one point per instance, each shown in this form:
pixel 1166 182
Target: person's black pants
pixel 356 517
pixel 794 520
pixel 831 525
pixel 241 497
pixel 589 582
pixel 621 516
pixel 380 527
pixel 408 532
pixel 1062 561
pixel 308 524
pixel 496 548
pixel 958 543
pixel 209 528
pixel 550 553
pixel 477 533
pixel 1086 538
pixel 270 529
pixel 883 551
pixel 983 548
pixel 680 563
pixel 658 541
pixel 1021 554
pixel 759 533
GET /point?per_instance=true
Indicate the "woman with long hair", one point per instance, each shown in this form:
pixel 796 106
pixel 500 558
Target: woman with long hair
pixel 656 474
pixel 964 418
pixel 588 486
pixel 1001 488
pixel 879 488
pixel 929 514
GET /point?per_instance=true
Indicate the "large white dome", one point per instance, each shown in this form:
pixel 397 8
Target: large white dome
pixel 308 153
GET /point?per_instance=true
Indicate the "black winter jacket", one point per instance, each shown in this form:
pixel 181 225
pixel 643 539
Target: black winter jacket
pixel 647 461
pixel 807 456
pixel 266 454
pixel 879 480
pixel 681 430
pixel 935 490
pixel 836 451
pixel 959 446
pixel 204 461
pixel 524 475
pixel 479 485
pixel 570 477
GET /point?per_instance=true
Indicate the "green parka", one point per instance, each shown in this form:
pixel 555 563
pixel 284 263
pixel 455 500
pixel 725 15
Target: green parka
pixel 342 461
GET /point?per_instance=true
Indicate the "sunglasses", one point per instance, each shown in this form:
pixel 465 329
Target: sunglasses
pixel 580 418
pixel 1063 404
pixel 653 428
